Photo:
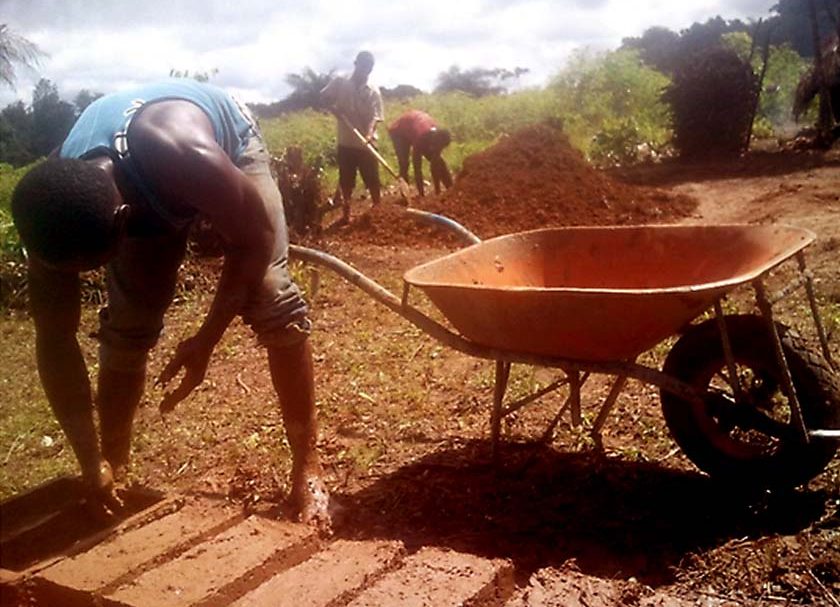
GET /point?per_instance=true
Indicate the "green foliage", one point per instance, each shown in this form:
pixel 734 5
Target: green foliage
pixel 9 177
pixel 742 44
pixel 712 99
pixel 610 104
pixel 785 68
pixel 12 266
pixel 31 132
pixel 617 143
pixel 314 132
pixel 306 88
pixel 52 118
pixel 667 51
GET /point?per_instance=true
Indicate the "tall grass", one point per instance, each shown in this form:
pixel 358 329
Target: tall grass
pixel 474 123
pixel 597 95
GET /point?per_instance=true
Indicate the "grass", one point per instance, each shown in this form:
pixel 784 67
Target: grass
pixel 29 432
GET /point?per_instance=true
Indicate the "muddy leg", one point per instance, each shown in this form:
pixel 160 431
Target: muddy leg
pixel 118 396
pixel 292 375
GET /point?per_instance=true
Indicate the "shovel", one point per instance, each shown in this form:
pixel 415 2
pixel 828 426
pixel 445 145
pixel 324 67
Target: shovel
pixel 401 183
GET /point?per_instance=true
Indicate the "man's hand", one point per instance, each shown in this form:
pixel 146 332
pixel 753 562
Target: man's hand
pixel 193 355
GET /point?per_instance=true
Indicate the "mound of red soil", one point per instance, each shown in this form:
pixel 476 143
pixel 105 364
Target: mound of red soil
pixel 531 179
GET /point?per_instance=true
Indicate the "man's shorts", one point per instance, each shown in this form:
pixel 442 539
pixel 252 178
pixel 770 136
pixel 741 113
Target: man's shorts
pixel 142 280
pixel 352 159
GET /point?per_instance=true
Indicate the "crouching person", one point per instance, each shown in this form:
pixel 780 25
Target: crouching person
pixel 416 134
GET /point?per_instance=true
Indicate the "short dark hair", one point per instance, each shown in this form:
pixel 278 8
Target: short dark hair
pixel 63 210
pixel 436 140
pixel 442 138
pixel 364 57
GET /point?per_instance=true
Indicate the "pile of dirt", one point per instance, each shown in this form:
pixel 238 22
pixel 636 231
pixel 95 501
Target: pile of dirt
pixel 530 179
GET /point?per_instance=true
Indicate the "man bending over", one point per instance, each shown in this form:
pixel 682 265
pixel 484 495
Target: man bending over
pixel 134 172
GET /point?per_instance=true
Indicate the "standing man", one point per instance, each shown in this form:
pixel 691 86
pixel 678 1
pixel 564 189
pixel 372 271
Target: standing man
pixel 418 133
pixel 357 105
pixel 136 169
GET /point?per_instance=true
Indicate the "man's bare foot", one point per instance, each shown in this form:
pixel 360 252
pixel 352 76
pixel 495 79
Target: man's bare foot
pixel 310 502
pixel 102 492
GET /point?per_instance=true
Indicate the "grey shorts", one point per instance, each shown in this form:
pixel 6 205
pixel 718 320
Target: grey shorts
pixel 142 280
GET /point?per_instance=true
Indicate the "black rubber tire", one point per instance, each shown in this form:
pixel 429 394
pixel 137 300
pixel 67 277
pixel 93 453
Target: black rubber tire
pixel 783 461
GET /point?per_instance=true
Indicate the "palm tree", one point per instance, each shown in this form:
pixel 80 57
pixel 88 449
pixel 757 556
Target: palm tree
pixel 306 88
pixel 15 50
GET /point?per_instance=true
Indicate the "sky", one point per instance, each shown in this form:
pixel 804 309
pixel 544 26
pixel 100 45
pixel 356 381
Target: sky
pixel 107 45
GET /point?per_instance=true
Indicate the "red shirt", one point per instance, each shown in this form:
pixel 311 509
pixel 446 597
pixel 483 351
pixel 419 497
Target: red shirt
pixel 412 125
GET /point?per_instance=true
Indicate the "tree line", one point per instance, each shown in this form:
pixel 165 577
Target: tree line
pixel 30 132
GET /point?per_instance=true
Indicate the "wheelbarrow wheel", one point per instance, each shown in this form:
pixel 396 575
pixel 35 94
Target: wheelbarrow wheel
pixel 754 443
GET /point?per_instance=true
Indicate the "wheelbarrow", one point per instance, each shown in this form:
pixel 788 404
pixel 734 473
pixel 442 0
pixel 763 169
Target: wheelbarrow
pixel 742 395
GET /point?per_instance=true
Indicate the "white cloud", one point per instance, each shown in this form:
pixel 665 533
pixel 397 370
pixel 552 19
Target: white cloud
pixel 103 45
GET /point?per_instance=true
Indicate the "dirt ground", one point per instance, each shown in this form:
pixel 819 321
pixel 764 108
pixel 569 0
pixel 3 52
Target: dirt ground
pixel 404 420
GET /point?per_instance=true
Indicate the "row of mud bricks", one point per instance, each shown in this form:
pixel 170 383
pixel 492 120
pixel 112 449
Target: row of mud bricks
pixel 200 552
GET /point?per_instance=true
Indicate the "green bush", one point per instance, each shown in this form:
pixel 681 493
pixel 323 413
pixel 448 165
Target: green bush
pixel 9 242
pixel 610 104
pixel 618 143
pixel 712 98
pixel 785 67
pixel 12 263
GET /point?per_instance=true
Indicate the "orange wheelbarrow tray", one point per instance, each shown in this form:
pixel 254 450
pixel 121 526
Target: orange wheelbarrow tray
pixel 592 299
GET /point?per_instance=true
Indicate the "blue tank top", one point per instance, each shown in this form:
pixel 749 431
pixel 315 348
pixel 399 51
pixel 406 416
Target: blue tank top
pixel 103 127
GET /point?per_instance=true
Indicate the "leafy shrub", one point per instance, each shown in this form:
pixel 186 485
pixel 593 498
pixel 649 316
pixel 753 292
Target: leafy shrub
pixel 618 143
pixel 12 263
pixel 611 104
pixel 785 68
pixel 712 99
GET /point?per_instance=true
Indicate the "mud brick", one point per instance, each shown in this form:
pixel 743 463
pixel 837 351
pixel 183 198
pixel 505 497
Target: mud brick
pixel 129 554
pixel 434 577
pixel 223 568
pixel 556 588
pixel 339 570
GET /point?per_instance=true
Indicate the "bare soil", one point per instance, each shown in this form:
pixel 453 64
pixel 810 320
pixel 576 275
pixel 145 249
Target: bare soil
pixel 404 420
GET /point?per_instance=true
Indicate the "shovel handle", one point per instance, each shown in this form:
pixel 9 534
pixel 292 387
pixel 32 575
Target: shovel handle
pixel 369 146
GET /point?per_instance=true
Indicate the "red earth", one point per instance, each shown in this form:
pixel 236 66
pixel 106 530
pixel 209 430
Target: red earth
pixel 404 420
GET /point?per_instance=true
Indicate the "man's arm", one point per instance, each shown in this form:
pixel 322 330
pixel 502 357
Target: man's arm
pixel 54 303
pixel 378 114
pixel 328 96
pixel 176 149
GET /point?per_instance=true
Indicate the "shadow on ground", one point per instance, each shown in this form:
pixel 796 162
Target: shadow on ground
pixel 540 507
pixel 676 171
